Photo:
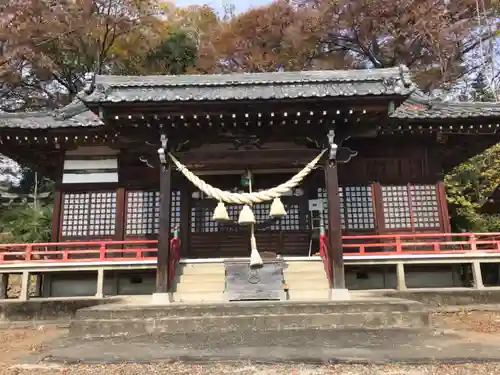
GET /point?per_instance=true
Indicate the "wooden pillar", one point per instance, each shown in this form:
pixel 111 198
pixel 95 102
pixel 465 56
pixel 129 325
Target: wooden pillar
pixel 56 216
pixel 120 215
pixel 162 269
pixel 185 224
pixel 334 227
pixel 443 207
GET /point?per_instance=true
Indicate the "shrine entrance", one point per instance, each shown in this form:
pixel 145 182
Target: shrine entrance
pixel 287 236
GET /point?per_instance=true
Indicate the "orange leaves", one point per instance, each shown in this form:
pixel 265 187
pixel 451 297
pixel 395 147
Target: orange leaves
pixel 266 38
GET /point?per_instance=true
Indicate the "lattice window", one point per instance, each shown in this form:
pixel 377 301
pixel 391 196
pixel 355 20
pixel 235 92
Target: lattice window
pixel 88 214
pixel 75 217
pixel 358 207
pixel 102 214
pixel 143 212
pixel 292 219
pixel 201 219
pixel 202 213
pixel 410 206
pixel 175 217
pixel 397 209
pixel 201 216
pixel 425 206
pixel 323 197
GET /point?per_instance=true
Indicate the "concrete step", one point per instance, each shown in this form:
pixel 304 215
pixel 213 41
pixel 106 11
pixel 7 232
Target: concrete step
pixel 295 294
pixel 305 276
pixel 306 284
pixel 297 266
pixel 198 297
pixel 208 278
pixel 200 286
pixel 200 268
pixel 146 311
pixel 260 323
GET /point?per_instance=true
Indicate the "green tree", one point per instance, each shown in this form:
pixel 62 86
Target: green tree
pixel 469 186
pixel 175 53
pixel 481 90
pixel 26 223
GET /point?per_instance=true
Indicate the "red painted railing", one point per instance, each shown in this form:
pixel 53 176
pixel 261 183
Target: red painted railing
pixel 421 244
pixel 89 251
pixel 323 252
pixel 141 250
pixel 175 256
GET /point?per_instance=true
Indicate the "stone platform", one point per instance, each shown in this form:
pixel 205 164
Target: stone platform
pixel 290 346
pixel 136 319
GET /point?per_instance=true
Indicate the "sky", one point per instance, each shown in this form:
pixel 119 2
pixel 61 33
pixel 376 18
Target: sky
pixel 218 5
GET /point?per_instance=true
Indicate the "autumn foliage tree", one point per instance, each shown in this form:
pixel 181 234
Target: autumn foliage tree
pixel 49 46
pixel 431 37
pixel 265 39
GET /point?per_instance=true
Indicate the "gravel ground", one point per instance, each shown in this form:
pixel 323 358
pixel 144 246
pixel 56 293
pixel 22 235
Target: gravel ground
pixel 16 343
pixel 250 369
pixel 475 321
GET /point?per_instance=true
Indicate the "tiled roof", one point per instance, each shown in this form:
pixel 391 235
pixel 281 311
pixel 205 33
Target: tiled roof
pixel 75 114
pixel 420 107
pixel 279 85
pixel 240 86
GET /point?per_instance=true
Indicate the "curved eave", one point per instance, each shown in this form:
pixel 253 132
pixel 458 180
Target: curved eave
pixel 420 107
pixel 108 89
pixel 45 122
pixel 74 115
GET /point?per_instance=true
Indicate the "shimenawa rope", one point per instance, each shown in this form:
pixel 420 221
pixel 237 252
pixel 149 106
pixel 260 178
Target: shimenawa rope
pixel 246 198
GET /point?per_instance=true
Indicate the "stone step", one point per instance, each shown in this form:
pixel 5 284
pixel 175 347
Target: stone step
pixel 145 311
pixel 259 323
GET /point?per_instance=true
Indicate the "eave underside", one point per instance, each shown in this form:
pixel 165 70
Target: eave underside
pixel 303 121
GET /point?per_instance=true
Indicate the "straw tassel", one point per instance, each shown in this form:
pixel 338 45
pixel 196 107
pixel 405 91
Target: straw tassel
pixel 220 213
pixel 277 208
pixel 246 216
pixel 255 259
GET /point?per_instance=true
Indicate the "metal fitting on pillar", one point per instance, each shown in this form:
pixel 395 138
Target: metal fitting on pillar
pixel 162 150
pixel 332 155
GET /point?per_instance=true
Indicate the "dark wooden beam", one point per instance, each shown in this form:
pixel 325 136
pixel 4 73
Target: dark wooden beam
pixel 56 216
pixel 120 214
pixel 162 269
pixel 189 107
pixel 334 228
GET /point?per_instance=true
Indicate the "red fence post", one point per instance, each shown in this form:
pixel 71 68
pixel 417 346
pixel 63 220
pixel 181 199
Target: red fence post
pixel 29 250
pixel 102 251
pixel 473 244
pixel 399 248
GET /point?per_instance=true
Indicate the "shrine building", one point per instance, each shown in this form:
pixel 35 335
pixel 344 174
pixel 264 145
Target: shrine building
pixel 121 198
